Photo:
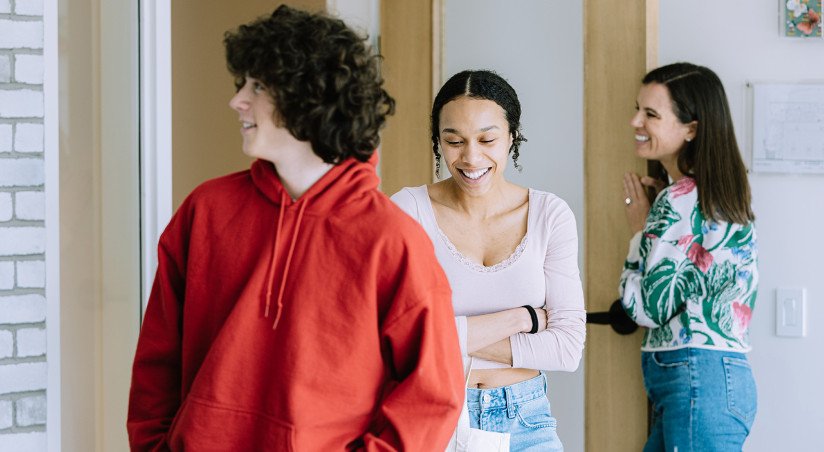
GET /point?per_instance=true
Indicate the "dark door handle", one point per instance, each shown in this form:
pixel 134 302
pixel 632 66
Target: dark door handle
pixel 615 317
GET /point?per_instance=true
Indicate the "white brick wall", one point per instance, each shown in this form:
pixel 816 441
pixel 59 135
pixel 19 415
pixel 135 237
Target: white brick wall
pixel 6 344
pixel 31 342
pixel 24 172
pixel 22 377
pixel 21 103
pixel 22 241
pixel 22 309
pixel 28 138
pixel 28 7
pixel 28 69
pixel 30 205
pixel 6 211
pixel 23 442
pixel 6 275
pixel 5 138
pixel 31 411
pixel 5 68
pixel 6 418
pixel 23 362
pixel 31 274
pixel 21 35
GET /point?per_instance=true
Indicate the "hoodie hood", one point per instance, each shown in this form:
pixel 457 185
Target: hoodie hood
pixel 343 183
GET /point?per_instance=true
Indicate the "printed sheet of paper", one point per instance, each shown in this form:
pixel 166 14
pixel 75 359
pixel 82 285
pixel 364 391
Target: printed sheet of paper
pixel 788 127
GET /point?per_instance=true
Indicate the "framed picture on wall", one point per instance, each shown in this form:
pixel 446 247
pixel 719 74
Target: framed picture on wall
pixel 801 18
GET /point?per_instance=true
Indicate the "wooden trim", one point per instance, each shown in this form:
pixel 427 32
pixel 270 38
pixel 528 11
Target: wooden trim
pixel 155 135
pixel 51 167
pixel 652 18
pixel 79 199
pixel 620 43
pixel 120 216
pixel 438 63
pixel 438 51
pixel 406 43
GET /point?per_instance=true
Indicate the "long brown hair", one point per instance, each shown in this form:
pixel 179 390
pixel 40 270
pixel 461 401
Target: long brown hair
pixel 712 158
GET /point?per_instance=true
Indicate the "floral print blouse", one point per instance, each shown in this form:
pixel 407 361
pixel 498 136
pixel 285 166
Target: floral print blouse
pixel 690 281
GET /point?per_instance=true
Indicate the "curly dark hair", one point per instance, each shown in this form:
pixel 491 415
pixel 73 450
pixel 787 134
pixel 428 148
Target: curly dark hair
pixel 482 84
pixel 324 80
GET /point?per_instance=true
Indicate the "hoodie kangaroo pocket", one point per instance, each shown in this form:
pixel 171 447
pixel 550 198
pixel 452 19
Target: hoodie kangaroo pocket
pixel 203 425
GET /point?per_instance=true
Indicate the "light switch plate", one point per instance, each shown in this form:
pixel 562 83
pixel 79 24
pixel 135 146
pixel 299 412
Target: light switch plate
pixel 790 312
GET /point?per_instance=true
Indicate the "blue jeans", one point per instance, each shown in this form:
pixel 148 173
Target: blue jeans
pixel 521 409
pixel 702 400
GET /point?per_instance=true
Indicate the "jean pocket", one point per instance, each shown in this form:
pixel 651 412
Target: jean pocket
pixel 674 358
pixel 742 400
pixel 536 414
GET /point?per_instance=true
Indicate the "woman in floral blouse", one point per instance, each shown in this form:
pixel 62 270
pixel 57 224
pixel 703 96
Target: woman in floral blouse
pixel 690 276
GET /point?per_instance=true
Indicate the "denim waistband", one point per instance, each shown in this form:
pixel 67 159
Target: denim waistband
pixel 686 352
pixel 506 396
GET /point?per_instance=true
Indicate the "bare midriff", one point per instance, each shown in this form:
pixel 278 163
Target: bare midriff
pixel 496 378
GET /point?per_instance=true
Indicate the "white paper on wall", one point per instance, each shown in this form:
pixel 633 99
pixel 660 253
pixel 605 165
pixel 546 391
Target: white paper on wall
pixel 788 127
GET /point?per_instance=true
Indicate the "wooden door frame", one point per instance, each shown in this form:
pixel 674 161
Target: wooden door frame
pixel 410 42
pixel 620 46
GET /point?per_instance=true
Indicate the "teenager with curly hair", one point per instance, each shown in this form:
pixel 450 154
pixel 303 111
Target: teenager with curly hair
pixel 295 307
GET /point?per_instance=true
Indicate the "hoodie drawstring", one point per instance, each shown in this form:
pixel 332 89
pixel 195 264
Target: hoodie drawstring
pixel 288 262
pixel 271 276
pixel 279 303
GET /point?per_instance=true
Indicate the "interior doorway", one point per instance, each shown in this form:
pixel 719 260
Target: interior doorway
pixel 416 43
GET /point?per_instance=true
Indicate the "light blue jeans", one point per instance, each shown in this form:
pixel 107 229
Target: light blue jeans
pixel 702 400
pixel 521 409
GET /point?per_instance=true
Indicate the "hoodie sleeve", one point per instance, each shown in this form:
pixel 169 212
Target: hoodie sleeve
pixel 420 410
pixel 154 397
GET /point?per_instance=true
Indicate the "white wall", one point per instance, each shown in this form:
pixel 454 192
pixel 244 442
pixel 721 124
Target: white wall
pixel 739 39
pixel 362 15
pixel 537 45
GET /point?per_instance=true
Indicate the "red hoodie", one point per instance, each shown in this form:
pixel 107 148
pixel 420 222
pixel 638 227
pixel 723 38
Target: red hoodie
pixel 320 324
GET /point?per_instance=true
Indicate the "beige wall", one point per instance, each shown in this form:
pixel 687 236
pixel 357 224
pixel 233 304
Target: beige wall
pixel 99 219
pixel 205 132
pixel 120 215
pixel 407 39
pixel 79 223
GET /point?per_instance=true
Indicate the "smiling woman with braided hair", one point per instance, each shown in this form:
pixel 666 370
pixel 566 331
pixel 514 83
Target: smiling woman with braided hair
pixel 511 256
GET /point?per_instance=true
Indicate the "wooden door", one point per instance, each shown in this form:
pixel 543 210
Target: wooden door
pixel 410 45
pixel 620 45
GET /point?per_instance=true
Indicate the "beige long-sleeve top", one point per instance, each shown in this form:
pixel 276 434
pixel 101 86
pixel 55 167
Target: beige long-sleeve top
pixel 542 272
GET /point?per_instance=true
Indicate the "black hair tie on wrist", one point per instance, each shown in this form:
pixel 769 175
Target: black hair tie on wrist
pixel 534 316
